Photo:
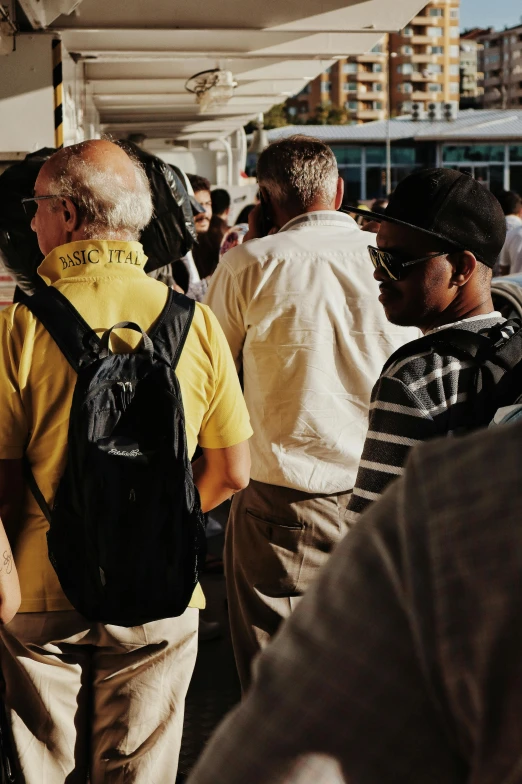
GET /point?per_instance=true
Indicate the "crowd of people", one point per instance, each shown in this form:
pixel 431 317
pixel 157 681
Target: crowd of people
pixel 371 579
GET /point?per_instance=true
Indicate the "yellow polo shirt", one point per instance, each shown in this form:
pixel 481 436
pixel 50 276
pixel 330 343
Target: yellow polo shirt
pixel 106 283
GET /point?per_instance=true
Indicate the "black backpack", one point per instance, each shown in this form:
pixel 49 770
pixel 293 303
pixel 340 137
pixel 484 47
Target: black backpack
pixel 496 353
pixel 19 249
pixel 126 535
pixel 171 232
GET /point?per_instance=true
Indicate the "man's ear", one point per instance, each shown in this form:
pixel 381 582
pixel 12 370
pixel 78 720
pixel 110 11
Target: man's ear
pixel 71 216
pixel 340 193
pixel 464 264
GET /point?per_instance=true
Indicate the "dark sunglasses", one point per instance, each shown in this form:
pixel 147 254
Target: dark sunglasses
pixel 395 267
pixel 30 204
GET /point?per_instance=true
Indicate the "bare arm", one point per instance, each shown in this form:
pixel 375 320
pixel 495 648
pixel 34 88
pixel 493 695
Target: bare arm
pixel 11 494
pixel 219 473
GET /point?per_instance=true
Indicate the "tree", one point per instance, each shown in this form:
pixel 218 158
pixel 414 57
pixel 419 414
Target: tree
pixel 320 116
pixel 337 116
pixel 276 117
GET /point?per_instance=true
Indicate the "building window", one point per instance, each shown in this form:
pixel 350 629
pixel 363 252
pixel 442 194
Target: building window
pixel 454 13
pixel 433 68
pixel 376 154
pixel 351 106
pixel 406 106
pixel 435 88
pixel 377 67
pixel 377 105
pixel 350 87
pixel 454 32
pixel 377 87
pixel 454 51
pixel 454 87
pixel 377 49
pixel 454 70
pixel 436 12
pixel 405 68
pixel 407 31
pixel 436 50
pixel 458 153
pixel 407 49
pixel 407 87
pixel 436 32
pixel 350 68
pixel 347 155
pixel 326 87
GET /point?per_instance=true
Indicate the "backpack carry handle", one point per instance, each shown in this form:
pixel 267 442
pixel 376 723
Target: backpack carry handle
pixel 148 345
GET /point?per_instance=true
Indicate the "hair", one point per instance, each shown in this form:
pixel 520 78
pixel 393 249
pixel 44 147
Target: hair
pixel 198 183
pixel 110 208
pixel 220 200
pixel 510 202
pixel 379 206
pixel 245 212
pixel 298 171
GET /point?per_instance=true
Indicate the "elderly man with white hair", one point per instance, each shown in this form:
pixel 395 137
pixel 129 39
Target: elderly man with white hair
pixel 300 310
pixel 90 700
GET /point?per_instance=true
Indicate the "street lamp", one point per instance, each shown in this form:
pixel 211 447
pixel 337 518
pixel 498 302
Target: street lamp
pixel 391 55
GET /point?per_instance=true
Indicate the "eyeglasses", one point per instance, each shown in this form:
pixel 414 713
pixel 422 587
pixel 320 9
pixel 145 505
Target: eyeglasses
pixel 30 204
pixel 393 265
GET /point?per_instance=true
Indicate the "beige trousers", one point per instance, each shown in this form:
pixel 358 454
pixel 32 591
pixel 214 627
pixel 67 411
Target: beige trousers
pixel 101 701
pixel 277 539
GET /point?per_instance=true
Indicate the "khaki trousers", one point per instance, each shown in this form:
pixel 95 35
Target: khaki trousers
pixel 101 701
pixel 277 539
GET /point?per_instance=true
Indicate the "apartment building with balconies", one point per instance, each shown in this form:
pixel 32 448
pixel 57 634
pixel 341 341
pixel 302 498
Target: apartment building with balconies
pixel 357 85
pixel 425 59
pixel 501 63
pixel 422 62
pixel 471 75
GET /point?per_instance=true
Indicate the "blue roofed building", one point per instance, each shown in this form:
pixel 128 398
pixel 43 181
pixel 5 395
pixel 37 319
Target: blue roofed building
pixel 484 143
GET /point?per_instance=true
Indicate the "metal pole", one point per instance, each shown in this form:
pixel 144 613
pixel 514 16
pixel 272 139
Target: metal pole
pixel 388 117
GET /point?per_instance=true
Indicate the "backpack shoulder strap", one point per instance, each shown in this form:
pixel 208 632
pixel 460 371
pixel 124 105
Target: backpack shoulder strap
pixel 74 337
pixel 171 330
pixel 463 341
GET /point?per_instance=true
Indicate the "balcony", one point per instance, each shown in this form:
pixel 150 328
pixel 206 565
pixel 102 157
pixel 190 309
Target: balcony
pixel 424 58
pixel 372 57
pixel 369 76
pixel 424 39
pixel 424 20
pixel 422 95
pixel 371 114
pixel 371 95
pixel 492 81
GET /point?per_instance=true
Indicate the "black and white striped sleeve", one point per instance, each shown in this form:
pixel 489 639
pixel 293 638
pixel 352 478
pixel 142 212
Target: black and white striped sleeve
pixel 398 420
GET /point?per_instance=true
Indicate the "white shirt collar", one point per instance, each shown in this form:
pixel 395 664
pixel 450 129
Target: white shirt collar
pixel 320 218
pixel 482 317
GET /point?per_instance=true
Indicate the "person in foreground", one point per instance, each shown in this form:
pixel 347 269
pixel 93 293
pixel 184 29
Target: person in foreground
pixel 437 243
pixel 89 700
pixel 299 309
pixel 403 663
pixel 510 260
pixel 10 597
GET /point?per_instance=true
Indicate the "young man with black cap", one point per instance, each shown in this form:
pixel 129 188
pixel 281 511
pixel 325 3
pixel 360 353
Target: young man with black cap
pixel 437 244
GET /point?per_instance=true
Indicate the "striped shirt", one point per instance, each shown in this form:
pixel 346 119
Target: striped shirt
pixel 416 398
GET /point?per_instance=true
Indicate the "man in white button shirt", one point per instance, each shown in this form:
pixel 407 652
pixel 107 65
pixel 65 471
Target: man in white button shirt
pixel 510 259
pixel 300 311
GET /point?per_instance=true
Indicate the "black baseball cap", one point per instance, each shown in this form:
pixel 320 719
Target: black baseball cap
pixel 451 206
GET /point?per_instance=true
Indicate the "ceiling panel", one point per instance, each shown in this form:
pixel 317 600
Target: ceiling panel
pixel 137 55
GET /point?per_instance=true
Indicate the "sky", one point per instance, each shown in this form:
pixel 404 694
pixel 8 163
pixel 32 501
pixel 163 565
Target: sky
pixel 490 13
